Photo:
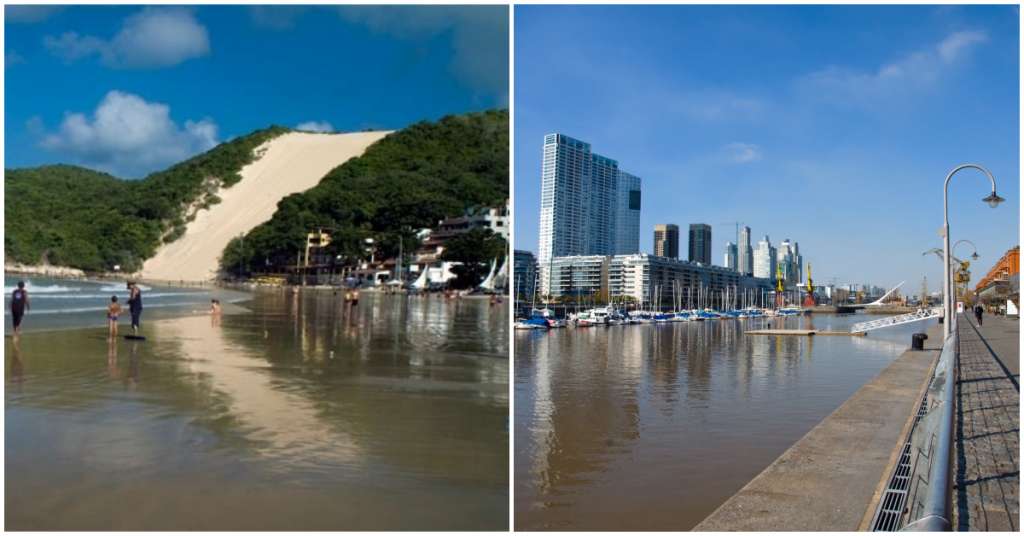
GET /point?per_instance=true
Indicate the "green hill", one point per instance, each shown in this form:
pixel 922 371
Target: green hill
pixel 407 181
pixel 72 216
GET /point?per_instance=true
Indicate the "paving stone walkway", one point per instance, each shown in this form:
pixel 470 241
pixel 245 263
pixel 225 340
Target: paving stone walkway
pixel 987 489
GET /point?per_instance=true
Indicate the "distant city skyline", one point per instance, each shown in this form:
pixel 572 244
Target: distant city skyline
pixel 831 125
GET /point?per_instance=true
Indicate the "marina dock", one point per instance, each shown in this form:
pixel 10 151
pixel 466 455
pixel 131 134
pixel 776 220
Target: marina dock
pixel 801 332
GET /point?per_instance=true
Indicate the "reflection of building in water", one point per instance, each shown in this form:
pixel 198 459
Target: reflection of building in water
pixel 591 412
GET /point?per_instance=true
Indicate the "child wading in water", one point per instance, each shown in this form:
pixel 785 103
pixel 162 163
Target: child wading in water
pixel 113 310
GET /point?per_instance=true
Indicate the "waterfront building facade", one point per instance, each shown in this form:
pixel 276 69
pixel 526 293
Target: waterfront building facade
pixel 745 253
pixel 627 215
pixel 730 256
pixel 648 280
pixel 666 240
pixel 524 275
pixel 700 243
pixel 588 205
pixel 764 260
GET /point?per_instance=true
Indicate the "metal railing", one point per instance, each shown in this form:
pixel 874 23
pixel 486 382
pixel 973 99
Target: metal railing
pixel 917 496
pixel 930 501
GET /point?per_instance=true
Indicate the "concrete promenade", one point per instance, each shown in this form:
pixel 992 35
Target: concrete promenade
pixel 829 479
pixel 987 490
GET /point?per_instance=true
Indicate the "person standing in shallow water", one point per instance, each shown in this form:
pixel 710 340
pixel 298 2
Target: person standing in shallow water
pixel 135 305
pixel 19 305
pixel 113 311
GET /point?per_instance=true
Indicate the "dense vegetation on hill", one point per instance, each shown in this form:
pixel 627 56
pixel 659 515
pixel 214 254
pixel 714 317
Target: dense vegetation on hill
pixel 407 181
pixel 72 216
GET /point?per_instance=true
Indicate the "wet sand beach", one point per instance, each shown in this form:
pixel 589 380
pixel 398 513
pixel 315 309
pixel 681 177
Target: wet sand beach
pixel 296 413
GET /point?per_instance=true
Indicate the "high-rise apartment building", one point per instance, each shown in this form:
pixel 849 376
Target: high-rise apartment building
pixel 588 206
pixel 745 253
pixel 524 275
pixel 700 243
pixel 790 262
pixel 666 240
pixel 730 256
pixel 764 259
pixel 627 215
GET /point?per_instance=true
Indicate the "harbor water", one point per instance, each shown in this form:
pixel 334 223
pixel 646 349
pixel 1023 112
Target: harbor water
pixel 653 426
pixel 298 413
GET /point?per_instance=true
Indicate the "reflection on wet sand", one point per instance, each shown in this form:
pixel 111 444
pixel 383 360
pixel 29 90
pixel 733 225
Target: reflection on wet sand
pixel 297 414
pixel 652 427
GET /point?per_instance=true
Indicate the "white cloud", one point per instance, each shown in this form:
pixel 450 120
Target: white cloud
pixel 29 14
pixel 129 137
pixel 953 46
pixel 154 37
pixel 315 126
pixel 479 37
pixel 743 153
pixel 915 71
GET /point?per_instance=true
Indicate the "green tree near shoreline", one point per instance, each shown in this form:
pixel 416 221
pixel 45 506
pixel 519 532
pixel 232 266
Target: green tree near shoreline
pixel 72 216
pixel 407 181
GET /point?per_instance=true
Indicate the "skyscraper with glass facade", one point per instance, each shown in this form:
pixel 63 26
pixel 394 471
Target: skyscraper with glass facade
pixel 700 243
pixel 588 205
pixel 745 253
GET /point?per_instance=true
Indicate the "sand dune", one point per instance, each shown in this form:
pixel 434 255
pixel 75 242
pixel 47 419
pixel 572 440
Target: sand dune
pixel 291 163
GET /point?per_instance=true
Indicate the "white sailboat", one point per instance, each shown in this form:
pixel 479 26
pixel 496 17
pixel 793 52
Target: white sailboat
pixel 487 284
pixel 423 281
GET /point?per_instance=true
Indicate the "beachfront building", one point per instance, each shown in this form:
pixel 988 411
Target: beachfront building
pixel 700 243
pixel 643 279
pixel 730 256
pixel 764 260
pixel 588 205
pixel 524 275
pixel 666 240
pixel 432 241
pixel 745 253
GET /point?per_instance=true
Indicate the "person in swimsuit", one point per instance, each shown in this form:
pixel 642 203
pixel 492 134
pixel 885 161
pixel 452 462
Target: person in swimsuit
pixel 113 311
pixel 135 305
pixel 19 305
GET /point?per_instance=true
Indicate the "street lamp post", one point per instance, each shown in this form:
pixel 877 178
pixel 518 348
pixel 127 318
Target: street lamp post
pixel 993 201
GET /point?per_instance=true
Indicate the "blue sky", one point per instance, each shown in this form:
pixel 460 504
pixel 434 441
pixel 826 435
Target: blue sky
pixel 132 89
pixel 831 126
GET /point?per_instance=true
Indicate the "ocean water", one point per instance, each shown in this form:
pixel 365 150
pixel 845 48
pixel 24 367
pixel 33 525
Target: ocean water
pixel 297 412
pixel 69 303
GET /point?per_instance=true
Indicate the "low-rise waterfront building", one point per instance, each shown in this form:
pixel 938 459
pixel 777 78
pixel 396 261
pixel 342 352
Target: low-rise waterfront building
pixel 643 278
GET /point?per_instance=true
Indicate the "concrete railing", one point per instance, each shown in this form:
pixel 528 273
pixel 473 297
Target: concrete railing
pixel 929 500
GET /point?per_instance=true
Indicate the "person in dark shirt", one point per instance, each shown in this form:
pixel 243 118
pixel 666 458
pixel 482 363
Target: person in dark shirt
pixel 19 305
pixel 978 310
pixel 135 305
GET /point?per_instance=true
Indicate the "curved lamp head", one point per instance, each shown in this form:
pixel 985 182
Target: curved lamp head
pixel 993 199
pixel 974 256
